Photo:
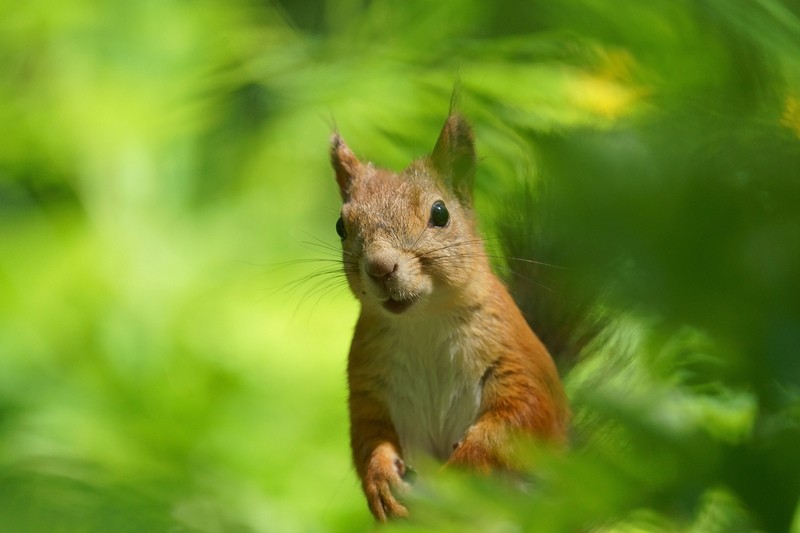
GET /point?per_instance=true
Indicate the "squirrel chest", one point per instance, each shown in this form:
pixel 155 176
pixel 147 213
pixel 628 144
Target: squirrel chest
pixel 433 386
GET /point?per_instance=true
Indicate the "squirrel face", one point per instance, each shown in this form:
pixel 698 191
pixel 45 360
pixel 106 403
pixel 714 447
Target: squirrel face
pixel 408 239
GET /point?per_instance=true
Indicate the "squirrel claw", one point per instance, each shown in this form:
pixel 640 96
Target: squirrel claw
pixel 382 501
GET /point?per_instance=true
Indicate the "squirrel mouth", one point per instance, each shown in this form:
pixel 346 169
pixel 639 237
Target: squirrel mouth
pixel 397 306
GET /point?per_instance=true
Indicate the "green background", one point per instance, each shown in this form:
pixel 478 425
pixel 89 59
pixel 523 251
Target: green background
pixel 173 327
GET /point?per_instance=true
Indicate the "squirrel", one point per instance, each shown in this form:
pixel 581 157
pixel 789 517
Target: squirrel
pixel 442 362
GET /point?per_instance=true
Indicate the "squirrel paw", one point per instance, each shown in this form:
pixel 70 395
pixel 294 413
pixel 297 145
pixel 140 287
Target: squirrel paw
pixel 471 454
pixel 383 483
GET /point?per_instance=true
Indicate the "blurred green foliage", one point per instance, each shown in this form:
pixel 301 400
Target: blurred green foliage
pixel 170 359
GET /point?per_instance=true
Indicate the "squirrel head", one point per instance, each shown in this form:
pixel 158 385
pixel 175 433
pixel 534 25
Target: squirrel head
pixel 408 239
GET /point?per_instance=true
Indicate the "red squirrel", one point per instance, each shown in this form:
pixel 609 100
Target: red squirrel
pixel 442 362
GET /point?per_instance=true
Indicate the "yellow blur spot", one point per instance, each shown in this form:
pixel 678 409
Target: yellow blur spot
pixel 791 114
pixel 609 92
pixel 602 96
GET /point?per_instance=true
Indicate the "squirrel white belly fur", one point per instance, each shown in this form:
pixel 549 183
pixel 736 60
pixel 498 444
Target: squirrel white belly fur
pixel 433 386
pixel 442 362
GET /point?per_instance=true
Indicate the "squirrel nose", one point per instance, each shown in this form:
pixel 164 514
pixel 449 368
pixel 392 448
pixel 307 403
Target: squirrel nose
pixel 381 268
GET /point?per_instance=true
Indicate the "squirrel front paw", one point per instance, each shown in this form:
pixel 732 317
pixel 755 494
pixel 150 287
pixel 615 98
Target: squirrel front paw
pixel 383 483
pixel 479 453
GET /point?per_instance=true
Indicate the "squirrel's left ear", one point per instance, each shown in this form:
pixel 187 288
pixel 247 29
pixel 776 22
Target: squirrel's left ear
pixel 345 164
pixel 454 158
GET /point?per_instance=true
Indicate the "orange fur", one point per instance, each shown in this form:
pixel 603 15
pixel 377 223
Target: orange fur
pixel 442 361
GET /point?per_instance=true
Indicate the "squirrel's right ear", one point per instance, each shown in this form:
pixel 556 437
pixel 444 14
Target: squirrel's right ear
pixel 345 164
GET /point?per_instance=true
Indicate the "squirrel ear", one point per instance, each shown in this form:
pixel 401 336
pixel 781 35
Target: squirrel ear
pixel 454 158
pixel 345 164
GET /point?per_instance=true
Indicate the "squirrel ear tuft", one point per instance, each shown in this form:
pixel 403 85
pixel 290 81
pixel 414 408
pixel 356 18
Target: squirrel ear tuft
pixel 454 158
pixel 345 164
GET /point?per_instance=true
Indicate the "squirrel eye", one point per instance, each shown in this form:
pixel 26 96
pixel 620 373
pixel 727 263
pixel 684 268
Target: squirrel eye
pixel 340 229
pixel 439 215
